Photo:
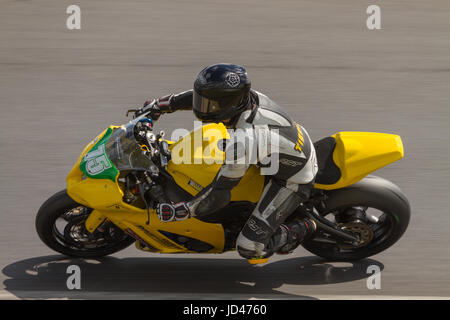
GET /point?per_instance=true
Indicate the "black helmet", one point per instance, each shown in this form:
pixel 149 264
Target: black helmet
pixel 221 91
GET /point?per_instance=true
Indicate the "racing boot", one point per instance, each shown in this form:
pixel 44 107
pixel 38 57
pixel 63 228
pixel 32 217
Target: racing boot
pixel 286 239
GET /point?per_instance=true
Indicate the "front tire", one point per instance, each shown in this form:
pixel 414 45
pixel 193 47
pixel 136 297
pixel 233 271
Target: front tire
pixel 371 192
pixel 72 240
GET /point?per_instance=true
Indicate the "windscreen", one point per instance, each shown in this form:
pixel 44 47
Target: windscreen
pixel 124 151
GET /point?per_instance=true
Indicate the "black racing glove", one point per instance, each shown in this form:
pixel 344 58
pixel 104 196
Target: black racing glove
pixel 164 103
pixel 161 106
pixel 169 103
pixel 173 212
pixel 155 111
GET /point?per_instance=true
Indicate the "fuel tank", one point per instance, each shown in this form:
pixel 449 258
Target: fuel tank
pixel 198 156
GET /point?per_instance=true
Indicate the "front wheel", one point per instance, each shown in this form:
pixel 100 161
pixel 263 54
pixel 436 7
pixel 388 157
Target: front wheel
pixel 60 225
pixel 385 213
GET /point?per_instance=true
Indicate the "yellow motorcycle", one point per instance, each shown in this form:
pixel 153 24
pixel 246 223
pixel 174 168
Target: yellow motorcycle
pixel 121 176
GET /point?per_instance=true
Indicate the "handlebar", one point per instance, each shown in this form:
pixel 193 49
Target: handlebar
pixel 151 111
pixel 143 131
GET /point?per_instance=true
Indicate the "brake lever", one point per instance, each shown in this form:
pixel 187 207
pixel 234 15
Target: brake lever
pixel 145 109
pixel 131 110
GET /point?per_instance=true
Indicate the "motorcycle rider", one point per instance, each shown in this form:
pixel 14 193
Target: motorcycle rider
pixel 222 93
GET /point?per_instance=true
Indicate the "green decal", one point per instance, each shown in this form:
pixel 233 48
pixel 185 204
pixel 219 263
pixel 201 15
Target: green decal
pixel 96 164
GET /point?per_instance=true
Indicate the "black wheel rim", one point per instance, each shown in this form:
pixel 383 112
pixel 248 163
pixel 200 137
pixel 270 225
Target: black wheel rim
pixel 68 230
pixel 382 231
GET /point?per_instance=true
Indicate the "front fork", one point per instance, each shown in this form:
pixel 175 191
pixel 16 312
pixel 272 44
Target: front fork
pixel 95 219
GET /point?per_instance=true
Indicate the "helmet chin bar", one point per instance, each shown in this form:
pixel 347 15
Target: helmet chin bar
pixel 232 121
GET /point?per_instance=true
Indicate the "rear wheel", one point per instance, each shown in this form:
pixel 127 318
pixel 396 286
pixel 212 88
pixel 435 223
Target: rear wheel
pixel 60 225
pixel 383 215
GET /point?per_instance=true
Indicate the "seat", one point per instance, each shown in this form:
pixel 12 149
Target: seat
pixel 329 172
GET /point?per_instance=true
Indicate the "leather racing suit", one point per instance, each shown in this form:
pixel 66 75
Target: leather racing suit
pixel 291 184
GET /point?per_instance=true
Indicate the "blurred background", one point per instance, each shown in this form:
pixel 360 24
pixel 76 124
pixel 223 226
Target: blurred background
pixel 59 88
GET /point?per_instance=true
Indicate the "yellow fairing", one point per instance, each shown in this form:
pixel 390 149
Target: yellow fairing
pixel 359 153
pixel 197 158
pixel 94 193
pixel 105 197
pixel 356 154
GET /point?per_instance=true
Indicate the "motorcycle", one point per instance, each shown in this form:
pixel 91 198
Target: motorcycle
pixel 121 176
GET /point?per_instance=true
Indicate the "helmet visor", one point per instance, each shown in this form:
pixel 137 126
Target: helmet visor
pixel 218 109
pixel 205 105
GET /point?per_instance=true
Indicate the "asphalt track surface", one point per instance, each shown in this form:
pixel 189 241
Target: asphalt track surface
pixel 60 88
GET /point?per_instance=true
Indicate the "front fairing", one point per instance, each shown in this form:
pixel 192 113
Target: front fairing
pixel 93 180
pixel 92 192
pixel 105 196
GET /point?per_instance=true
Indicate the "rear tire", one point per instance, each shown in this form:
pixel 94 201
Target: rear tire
pixel 56 207
pixel 373 192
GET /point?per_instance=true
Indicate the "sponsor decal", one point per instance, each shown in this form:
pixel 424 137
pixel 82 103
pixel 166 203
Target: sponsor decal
pixel 252 224
pixel 164 242
pixel 96 164
pixel 300 139
pixel 136 237
pixel 195 185
pixel 291 163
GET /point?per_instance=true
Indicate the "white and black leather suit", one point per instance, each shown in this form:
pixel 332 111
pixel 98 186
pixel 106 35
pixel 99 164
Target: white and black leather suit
pixel 286 189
